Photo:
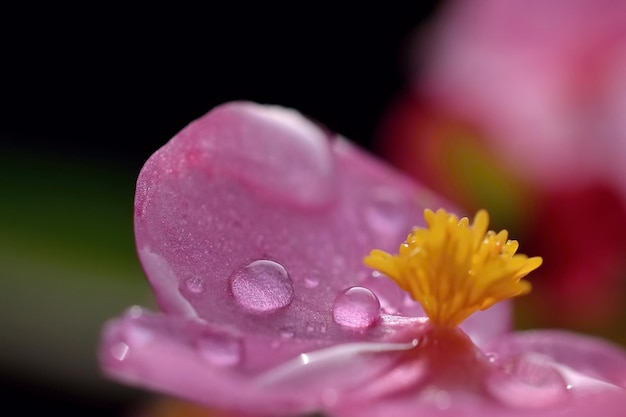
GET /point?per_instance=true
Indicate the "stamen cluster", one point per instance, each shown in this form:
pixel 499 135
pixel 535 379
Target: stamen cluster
pixel 454 269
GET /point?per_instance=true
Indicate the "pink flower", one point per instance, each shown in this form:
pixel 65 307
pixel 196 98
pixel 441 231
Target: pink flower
pixel 518 106
pixel 252 225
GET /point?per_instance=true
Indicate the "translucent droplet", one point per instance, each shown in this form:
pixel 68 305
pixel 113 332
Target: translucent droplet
pixel 195 285
pixel 356 307
pixel 384 213
pixel 119 351
pixel 220 349
pixel 311 282
pixel 529 381
pixel 262 287
pixel 287 333
pixel 135 312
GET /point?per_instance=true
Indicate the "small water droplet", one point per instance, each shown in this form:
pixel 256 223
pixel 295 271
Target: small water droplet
pixel 528 381
pixel 135 312
pixel 356 307
pixel 262 287
pixel 311 282
pixel 287 333
pixel 384 213
pixel 120 351
pixel 219 349
pixel 195 285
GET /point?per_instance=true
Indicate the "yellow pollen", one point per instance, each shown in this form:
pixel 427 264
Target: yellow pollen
pixel 454 269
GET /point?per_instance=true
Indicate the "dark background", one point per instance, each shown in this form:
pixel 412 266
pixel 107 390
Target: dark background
pixel 117 83
pixel 108 86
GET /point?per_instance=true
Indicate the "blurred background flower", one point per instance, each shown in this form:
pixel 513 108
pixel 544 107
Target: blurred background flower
pixel 518 106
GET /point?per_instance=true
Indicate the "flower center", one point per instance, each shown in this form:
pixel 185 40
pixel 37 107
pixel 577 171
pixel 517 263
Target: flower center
pixel 454 269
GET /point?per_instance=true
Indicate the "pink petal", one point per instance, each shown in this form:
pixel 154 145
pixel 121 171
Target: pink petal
pixel 538 373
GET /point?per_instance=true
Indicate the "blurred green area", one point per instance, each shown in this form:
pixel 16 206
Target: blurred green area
pixel 67 264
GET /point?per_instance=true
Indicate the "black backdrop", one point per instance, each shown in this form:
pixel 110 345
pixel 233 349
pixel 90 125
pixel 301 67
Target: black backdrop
pixel 117 83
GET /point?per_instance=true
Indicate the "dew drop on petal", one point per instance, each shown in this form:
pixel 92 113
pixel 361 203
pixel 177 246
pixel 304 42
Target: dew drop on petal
pixel 195 285
pixel 119 351
pixel 529 381
pixel 219 349
pixel 287 333
pixel 262 287
pixel 135 312
pixel 311 282
pixel 356 307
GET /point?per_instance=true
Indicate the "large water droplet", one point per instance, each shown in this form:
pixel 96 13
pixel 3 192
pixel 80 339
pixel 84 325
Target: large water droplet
pixel 262 286
pixel 384 213
pixel 529 381
pixel 356 307
pixel 219 349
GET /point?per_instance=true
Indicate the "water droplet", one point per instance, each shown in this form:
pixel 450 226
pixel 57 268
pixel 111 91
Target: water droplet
pixel 135 312
pixel 356 307
pixel 262 286
pixel 195 284
pixel 287 333
pixel 120 351
pixel 219 349
pixel 311 282
pixel 384 213
pixel 529 381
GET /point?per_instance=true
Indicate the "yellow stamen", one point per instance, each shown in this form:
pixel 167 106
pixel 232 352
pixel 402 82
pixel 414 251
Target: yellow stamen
pixel 454 269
